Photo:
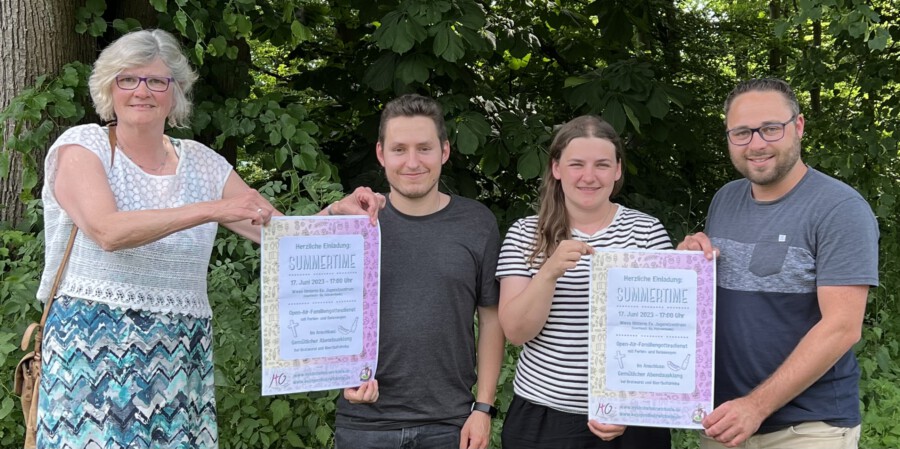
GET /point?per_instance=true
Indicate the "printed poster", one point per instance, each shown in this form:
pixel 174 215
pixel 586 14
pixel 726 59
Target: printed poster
pixel 320 291
pixel 652 328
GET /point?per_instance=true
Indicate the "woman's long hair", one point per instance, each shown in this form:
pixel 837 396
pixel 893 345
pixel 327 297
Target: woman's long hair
pixel 553 220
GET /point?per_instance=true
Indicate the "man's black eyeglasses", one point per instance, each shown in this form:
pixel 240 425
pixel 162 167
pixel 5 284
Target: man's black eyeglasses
pixel 770 132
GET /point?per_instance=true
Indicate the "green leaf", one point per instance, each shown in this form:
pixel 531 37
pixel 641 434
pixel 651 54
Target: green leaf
pixel 181 21
pixel 98 26
pixel 308 157
pixel 29 178
pixel 70 76
pixel 474 16
pixel 218 45
pixel 448 44
pixel 96 7
pixel 323 434
pixel 441 41
pixel 466 140
pixel 573 81
pixel 199 29
pixel 280 409
pixel 229 17
pixel 857 29
pixel 529 165
pixel 311 422
pixel 62 94
pixel 243 24
pixel 380 75
pixel 427 12
pixel 302 137
pixel 386 33
pixel 65 110
pixel 293 439
pixel 781 27
pixel 490 163
pixel 884 360
pixel 879 42
pixel 6 406
pixel 247 126
pixel 281 154
pixel 39 101
pixel 288 130
pixel 159 5
pixel 309 127
pixel 413 68
pixel 635 123
pixel 199 50
pixel 300 32
pixel 405 36
pixel 274 137
pixel 398 33
pixel 471 132
pixel 615 115
pixel 658 103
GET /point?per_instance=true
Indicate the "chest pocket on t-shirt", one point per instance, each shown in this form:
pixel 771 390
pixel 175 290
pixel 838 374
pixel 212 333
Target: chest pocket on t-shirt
pixel 768 256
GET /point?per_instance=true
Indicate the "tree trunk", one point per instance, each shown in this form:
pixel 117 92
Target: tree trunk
pixel 815 94
pixel 774 52
pixel 37 37
pixel 227 77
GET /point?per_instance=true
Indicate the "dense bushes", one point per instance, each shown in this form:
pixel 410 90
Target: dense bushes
pixel 248 420
pixel 291 88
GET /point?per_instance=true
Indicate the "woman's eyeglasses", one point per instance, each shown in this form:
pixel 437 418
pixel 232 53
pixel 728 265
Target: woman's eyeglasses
pixel 154 83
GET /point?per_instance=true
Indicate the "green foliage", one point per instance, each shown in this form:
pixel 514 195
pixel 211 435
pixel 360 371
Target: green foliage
pixel 246 419
pixel 36 113
pixel 879 353
pixel 21 259
pixel 90 18
pixel 291 91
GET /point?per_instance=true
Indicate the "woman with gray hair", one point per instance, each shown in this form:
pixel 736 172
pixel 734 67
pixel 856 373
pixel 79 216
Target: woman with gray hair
pixel 127 345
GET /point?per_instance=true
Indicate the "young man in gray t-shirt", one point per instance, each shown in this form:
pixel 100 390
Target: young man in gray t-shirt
pixel 439 254
pixel 797 252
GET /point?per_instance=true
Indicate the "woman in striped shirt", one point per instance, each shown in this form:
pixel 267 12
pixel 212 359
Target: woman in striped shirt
pixel 544 272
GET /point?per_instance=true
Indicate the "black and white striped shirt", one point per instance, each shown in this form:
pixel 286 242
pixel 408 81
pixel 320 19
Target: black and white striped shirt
pixel 553 366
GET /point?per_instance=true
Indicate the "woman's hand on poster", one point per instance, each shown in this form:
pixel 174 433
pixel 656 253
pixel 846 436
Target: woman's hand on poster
pixel 565 257
pixel 363 201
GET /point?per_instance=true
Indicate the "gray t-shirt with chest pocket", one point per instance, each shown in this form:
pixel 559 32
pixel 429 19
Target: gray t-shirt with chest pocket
pixel 774 256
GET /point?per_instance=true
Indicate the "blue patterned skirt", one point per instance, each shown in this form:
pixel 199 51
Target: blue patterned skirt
pixel 116 379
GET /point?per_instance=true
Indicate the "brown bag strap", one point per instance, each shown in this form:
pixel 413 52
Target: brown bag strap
pixel 112 143
pixel 65 261
pixel 27 336
pixel 59 274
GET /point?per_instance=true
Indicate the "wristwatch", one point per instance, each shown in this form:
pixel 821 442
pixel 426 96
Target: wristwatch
pixel 486 408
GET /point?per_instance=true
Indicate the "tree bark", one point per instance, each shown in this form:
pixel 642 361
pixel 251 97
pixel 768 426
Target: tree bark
pixel 37 37
pixel 774 52
pixel 815 93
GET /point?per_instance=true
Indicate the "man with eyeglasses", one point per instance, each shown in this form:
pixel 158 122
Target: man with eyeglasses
pixel 797 251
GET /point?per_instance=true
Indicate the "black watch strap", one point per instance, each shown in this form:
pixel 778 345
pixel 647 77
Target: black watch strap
pixel 486 408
